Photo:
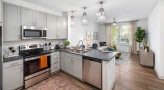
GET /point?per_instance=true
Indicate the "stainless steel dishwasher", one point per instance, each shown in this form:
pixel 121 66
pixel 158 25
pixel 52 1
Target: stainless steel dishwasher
pixel 92 71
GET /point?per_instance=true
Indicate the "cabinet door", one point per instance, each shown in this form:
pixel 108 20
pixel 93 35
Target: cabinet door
pixel 63 62
pixel 40 19
pixel 69 65
pixel 13 77
pixel 27 17
pixel 62 28
pixel 11 22
pixel 51 26
pixel 0 11
pixel 77 68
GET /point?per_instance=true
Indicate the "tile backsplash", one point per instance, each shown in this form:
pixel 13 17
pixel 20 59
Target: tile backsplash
pixel 16 44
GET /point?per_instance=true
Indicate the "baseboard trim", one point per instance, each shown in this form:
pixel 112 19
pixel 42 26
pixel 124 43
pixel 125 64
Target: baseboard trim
pixel 160 77
pixel 113 84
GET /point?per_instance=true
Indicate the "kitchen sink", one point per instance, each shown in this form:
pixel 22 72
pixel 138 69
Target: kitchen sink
pixel 78 51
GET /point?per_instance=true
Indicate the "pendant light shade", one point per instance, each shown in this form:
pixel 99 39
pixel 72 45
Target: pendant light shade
pixel 101 14
pixel 114 23
pixel 72 20
pixel 84 18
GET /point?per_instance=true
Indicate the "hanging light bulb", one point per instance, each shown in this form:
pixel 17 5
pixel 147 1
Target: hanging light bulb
pixel 84 18
pixel 72 21
pixel 114 23
pixel 101 14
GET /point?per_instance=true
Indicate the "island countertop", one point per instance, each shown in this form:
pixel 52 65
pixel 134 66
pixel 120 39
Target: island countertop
pixel 105 56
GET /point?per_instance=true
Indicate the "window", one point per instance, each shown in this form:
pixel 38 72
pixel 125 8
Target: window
pixel 121 34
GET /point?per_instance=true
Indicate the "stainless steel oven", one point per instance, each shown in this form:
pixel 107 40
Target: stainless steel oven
pixel 33 32
pixel 32 72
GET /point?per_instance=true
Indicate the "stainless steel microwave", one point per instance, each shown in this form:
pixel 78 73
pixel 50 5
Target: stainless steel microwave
pixel 33 32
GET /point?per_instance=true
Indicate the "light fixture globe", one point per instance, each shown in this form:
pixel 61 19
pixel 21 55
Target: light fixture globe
pixel 101 14
pixel 114 22
pixel 72 20
pixel 84 18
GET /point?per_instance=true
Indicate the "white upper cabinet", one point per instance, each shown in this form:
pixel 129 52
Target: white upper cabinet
pixel 51 26
pixel 0 11
pixel 27 17
pixel 57 27
pixel 40 19
pixel 31 17
pixel 11 22
pixel 62 27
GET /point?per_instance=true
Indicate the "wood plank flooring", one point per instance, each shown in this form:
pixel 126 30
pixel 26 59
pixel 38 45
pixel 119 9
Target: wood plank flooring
pixel 130 77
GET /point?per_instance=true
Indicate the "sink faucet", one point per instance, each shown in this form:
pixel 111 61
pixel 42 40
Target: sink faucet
pixel 82 44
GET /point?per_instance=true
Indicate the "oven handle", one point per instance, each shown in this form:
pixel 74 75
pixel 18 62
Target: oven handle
pixel 33 58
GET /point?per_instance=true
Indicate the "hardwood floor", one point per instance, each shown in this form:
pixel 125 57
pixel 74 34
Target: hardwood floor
pixel 136 77
pixel 130 77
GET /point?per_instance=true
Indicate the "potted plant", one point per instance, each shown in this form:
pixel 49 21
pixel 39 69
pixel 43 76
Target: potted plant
pixel 66 43
pixel 140 35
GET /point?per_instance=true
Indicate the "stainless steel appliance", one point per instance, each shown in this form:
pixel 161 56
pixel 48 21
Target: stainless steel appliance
pixel 33 32
pixel 32 72
pixel 92 71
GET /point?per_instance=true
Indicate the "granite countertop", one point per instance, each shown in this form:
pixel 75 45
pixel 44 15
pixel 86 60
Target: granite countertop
pixel 105 56
pixel 9 59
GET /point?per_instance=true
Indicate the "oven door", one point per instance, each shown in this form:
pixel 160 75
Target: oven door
pixel 31 65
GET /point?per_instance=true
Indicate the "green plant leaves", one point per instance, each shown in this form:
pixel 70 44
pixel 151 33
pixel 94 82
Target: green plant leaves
pixel 140 35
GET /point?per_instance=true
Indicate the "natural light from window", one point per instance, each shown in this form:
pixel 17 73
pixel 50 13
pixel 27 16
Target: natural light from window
pixel 121 34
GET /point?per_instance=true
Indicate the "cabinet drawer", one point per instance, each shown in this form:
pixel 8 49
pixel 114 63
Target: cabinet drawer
pixel 74 56
pixel 55 54
pixel 55 59
pixel 54 68
pixel 12 63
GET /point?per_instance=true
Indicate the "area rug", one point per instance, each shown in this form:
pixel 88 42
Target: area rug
pixel 123 59
pixel 55 83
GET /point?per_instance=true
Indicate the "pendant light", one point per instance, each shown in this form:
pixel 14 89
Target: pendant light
pixel 101 14
pixel 84 17
pixel 114 23
pixel 72 21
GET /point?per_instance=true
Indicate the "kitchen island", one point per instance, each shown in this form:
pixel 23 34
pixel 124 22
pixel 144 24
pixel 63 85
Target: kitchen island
pixel 94 67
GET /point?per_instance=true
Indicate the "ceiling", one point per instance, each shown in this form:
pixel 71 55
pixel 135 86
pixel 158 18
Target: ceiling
pixel 122 10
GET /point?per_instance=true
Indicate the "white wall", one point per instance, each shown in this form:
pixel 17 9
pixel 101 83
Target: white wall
pixel 33 6
pixel 155 30
pixel 79 31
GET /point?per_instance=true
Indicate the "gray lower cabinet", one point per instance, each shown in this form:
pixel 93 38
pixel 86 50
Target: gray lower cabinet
pixel 62 60
pixel 12 75
pixel 55 62
pixel 11 21
pixel 30 17
pixel 72 64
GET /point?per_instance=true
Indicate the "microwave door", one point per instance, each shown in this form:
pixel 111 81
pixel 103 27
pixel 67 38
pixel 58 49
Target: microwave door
pixel 28 33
